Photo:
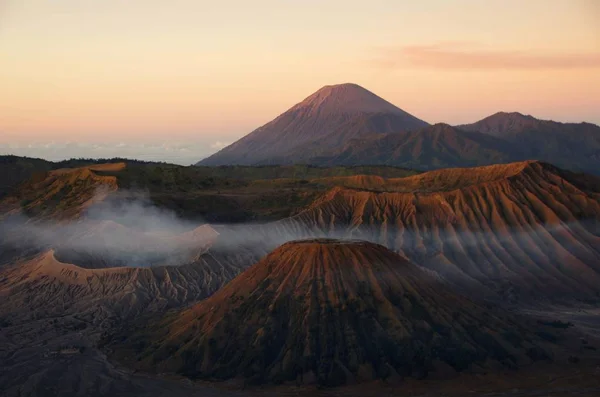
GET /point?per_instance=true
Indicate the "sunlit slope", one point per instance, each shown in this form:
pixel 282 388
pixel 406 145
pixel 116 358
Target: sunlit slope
pixel 522 229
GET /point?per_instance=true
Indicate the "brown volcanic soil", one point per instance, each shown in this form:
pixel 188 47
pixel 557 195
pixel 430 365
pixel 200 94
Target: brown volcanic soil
pixel 330 312
pixel 44 286
pixel 93 276
pixel 63 193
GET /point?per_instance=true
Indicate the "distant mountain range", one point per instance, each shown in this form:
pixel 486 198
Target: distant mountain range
pixel 348 125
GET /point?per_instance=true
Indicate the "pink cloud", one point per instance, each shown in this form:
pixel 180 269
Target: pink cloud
pixel 466 56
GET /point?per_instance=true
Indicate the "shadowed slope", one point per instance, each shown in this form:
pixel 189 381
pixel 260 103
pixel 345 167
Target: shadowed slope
pixel 571 145
pixel 331 312
pixel 432 147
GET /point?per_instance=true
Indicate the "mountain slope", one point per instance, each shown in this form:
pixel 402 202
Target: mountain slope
pixel 330 312
pixel 61 193
pixel 330 115
pixel 569 145
pixel 436 146
pixel 526 232
pixel 15 170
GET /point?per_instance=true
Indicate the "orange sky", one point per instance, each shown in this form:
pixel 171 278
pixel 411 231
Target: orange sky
pixel 110 70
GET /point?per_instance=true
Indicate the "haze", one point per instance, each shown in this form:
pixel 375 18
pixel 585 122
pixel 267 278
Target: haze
pixel 177 80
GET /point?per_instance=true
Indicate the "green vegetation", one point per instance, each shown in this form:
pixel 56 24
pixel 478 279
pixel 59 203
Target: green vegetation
pixel 15 170
pixel 225 194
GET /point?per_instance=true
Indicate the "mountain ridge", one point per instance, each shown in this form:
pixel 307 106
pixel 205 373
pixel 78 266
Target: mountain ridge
pixel 512 122
pixel 346 124
pixel 436 146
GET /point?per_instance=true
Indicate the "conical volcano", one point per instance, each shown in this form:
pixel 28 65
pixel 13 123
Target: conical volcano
pixel 330 312
pixel 346 98
pixel 325 119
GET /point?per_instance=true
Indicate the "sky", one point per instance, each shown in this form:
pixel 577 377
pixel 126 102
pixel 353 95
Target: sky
pixel 177 80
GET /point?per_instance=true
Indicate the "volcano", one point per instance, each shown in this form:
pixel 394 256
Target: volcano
pixel 324 120
pixel 330 312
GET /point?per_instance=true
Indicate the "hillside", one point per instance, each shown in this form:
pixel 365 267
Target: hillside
pixel 330 116
pixel 330 312
pixel 433 147
pixel 16 170
pixel 46 287
pixel 63 193
pixel 574 146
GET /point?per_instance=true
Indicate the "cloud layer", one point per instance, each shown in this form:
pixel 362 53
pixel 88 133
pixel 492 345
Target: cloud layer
pixel 183 153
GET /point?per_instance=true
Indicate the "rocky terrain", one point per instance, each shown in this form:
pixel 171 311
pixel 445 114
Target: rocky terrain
pixel 62 193
pixel 497 266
